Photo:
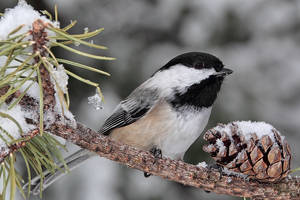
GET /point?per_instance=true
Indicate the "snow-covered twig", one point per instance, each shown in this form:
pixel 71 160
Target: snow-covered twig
pixel 178 171
pixel 33 89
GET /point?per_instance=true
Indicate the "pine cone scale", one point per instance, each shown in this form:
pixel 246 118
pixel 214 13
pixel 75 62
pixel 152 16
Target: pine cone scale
pixel 242 157
pixel 275 170
pixel 256 154
pixel 246 166
pixel 250 146
pixel 266 142
pixel 274 155
pixel 286 164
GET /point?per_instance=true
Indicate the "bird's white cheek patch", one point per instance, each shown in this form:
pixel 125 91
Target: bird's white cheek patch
pixel 178 77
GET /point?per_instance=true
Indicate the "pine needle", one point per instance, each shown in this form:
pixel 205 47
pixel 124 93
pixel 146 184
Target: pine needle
pixel 16 30
pixel 69 26
pixel 41 101
pixel 12 173
pixel 28 171
pixel 55 13
pixel 83 53
pixel 75 39
pixel 93 69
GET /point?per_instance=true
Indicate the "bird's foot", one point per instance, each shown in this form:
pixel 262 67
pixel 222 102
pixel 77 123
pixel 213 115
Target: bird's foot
pixel 215 166
pixel 156 152
pixel 146 174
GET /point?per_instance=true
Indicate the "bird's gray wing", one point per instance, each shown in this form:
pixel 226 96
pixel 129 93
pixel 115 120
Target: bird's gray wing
pixel 135 106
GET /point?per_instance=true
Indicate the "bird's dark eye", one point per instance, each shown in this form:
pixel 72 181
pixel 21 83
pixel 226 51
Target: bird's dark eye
pixel 218 67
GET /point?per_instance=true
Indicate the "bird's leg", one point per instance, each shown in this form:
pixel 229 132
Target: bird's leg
pixel 156 152
pixel 217 167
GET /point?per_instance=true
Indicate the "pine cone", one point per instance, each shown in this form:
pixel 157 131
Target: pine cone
pixel 255 149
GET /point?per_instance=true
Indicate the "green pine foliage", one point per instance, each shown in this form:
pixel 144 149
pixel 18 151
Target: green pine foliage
pixel 42 151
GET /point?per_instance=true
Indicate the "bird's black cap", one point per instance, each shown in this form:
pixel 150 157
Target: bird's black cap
pixel 197 60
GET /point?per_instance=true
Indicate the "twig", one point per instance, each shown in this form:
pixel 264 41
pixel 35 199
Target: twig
pixel 15 147
pixel 178 171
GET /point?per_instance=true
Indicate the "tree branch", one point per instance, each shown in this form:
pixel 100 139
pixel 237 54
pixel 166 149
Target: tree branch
pixel 178 171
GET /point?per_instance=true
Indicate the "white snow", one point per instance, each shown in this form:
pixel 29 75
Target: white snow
pixel 33 91
pixel 61 78
pixel 260 128
pixel 220 145
pixel 202 164
pixel 210 147
pixel 67 114
pixel 229 173
pixel 21 14
pixel 10 127
pixel 61 109
pixel 229 180
pixel 248 127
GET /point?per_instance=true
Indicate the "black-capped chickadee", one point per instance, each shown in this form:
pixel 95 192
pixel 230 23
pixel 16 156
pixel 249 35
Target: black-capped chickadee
pixel 166 113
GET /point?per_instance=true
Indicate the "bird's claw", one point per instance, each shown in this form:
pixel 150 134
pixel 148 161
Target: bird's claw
pixel 156 152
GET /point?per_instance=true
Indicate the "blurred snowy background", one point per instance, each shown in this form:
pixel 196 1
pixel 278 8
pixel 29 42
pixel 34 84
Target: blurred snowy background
pixel 259 40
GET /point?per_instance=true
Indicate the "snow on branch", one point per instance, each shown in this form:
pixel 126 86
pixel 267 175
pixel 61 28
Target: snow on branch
pixel 34 89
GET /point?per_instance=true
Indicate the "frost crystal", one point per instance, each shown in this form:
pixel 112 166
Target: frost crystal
pixel 229 173
pixel 77 43
pixel 229 180
pixel 61 78
pixel 96 101
pixel 202 164
pixel 220 145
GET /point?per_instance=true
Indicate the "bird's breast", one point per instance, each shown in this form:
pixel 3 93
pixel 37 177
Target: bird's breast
pixel 173 131
pixel 186 128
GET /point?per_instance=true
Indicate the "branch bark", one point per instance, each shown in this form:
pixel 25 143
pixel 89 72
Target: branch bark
pixel 178 171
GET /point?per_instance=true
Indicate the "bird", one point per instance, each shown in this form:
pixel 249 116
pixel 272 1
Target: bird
pixel 165 114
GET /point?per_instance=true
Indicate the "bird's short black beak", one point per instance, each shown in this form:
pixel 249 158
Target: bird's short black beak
pixel 223 72
pixel 226 71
